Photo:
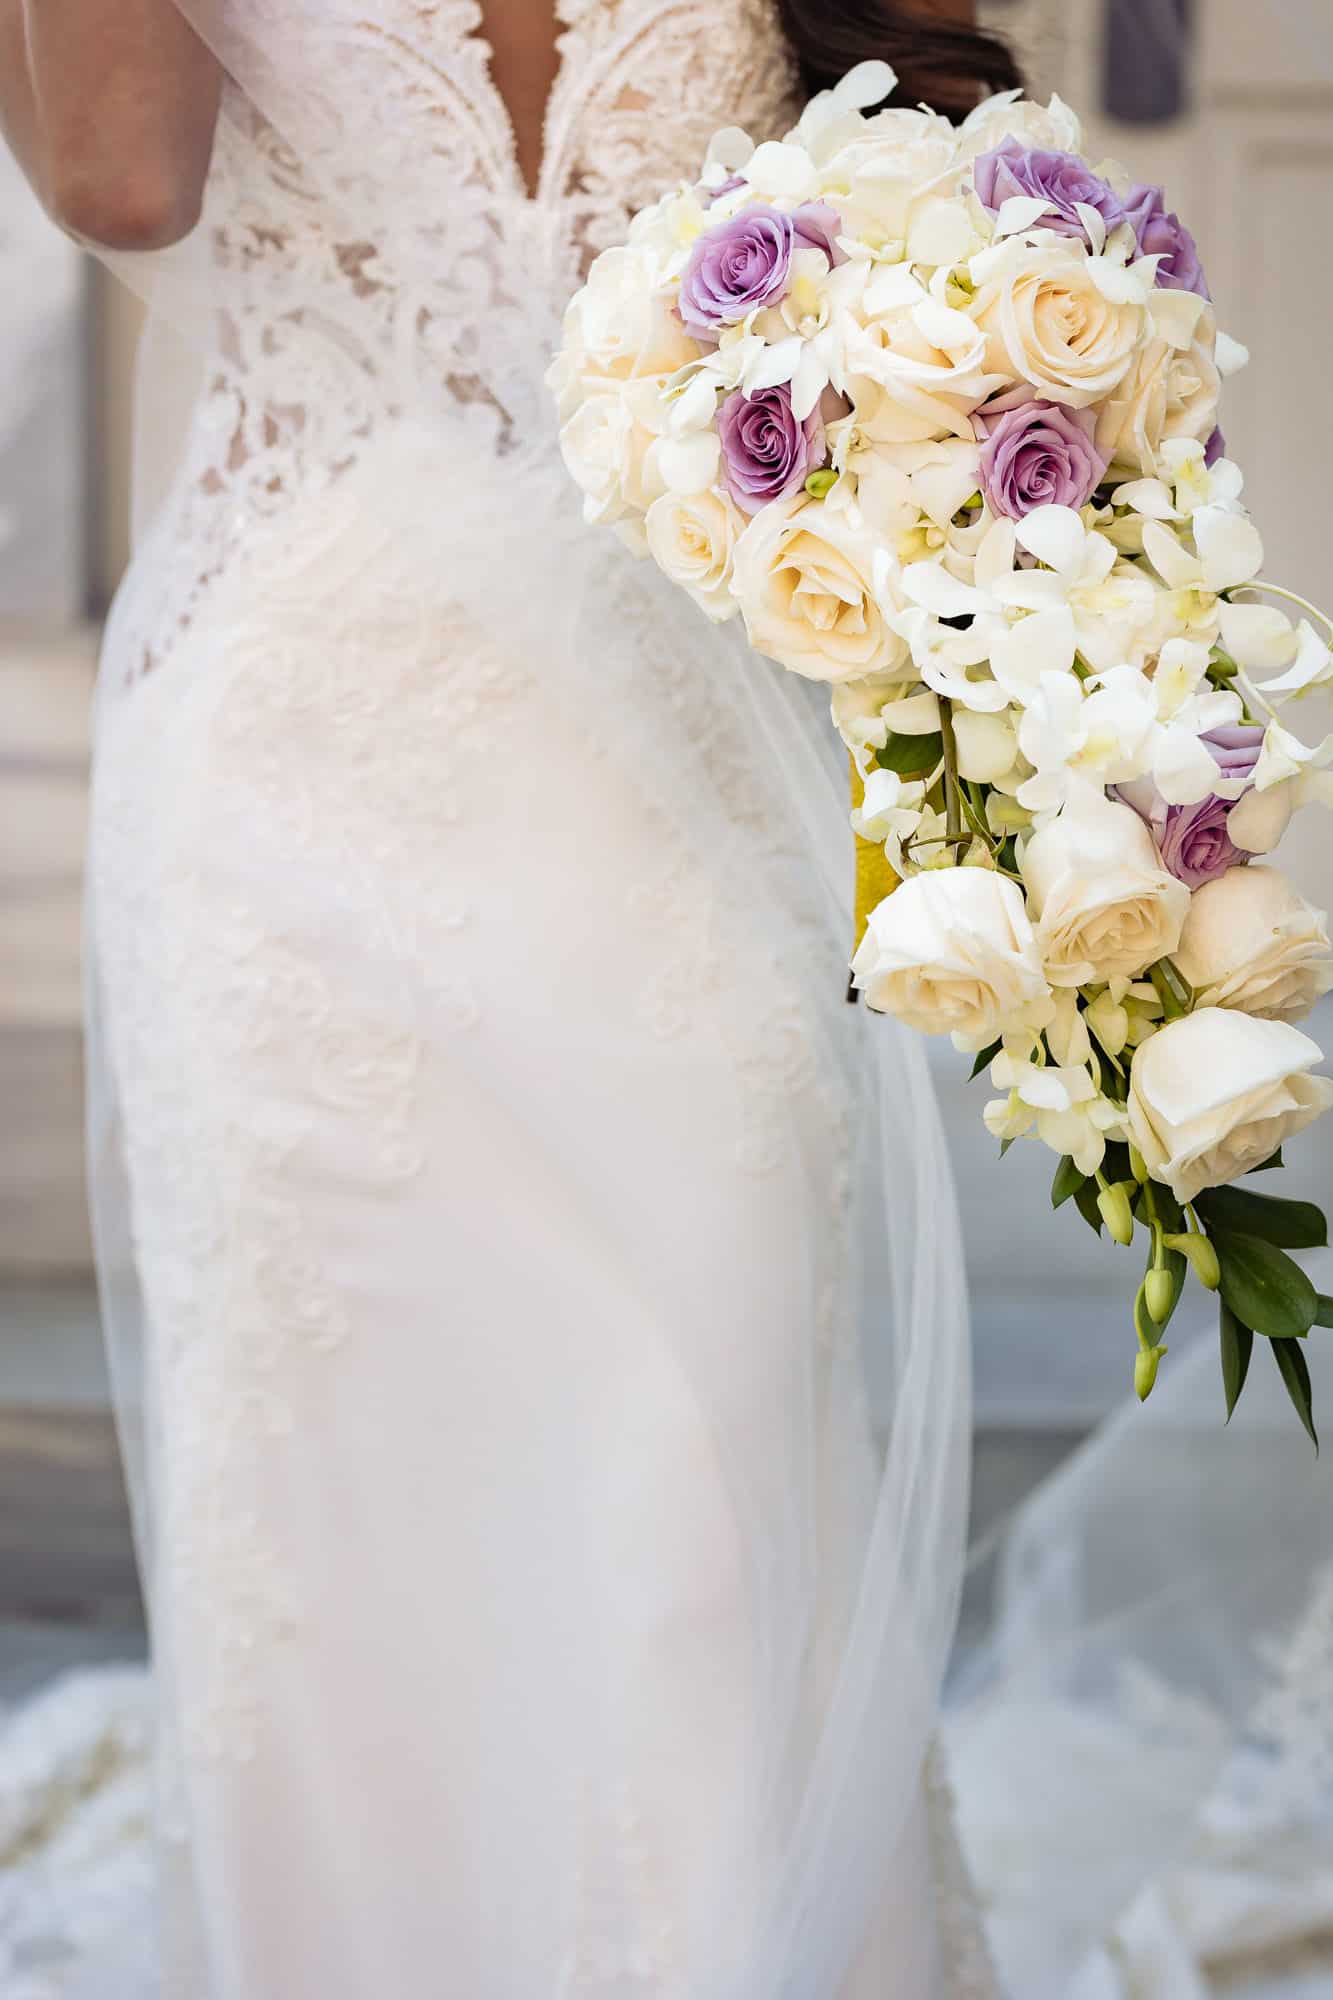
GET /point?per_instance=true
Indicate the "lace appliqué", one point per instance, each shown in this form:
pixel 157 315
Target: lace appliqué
pixel 336 308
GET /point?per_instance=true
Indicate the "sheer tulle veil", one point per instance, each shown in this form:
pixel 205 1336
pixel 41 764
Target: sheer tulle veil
pixel 1137 1590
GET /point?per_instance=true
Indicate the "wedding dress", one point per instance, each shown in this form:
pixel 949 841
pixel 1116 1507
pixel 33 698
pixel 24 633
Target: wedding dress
pixel 535 1294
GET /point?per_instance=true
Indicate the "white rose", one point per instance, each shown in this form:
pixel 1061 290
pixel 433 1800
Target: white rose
pixel 1054 127
pixel 1132 421
pixel 952 951
pixel 1213 1095
pixel 1252 943
pixel 611 453
pixel 1047 322
pixel 1194 385
pixel 621 325
pixel 803 576
pixel 692 536
pixel 1105 906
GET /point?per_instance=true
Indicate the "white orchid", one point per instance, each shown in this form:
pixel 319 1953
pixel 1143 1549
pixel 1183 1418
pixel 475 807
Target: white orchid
pixel 1184 484
pixel 1069 736
pixel 1227 553
pixel 1188 707
pixel 1085 600
pixel 1069 1112
pixel 805 339
pixel 890 809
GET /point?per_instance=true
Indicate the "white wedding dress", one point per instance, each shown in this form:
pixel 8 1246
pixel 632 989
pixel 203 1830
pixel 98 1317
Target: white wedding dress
pixel 549 1440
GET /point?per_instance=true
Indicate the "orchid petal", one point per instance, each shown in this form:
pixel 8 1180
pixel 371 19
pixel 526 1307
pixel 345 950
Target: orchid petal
pixel 1230 549
pixel 1054 535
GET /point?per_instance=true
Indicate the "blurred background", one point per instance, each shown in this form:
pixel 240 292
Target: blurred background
pixel 1231 106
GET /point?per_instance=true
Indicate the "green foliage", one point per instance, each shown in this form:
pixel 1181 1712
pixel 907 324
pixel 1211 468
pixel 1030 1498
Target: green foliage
pixel 1296 1379
pixel 911 756
pixel 1068 1180
pixel 1292 1225
pixel 1264 1287
pixel 1085 1200
pixel 1237 1347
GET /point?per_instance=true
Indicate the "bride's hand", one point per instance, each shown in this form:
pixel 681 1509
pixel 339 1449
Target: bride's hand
pixel 110 107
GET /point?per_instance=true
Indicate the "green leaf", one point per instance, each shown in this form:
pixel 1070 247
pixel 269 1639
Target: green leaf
pixel 1116 1165
pixel 1296 1376
pixel 1005 1144
pixel 1295 1225
pixel 1267 1166
pixel 1068 1180
pixel 1323 1309
pixel 911 756
pixel 1237 1347
pixel 1085 1201
pixel 1264 1288
pixel 986 1058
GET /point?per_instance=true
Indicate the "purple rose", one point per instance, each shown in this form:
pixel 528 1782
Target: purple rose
pixel 745 262
pixel 766 452
pixel 1162 234
pixel 1037 454
pixel 1194 841
pixel 1061 179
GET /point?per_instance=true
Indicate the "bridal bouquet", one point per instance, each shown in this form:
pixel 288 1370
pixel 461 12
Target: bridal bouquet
pixel 934 411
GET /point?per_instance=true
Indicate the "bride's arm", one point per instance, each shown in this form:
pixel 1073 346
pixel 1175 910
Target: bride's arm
pixel 110 106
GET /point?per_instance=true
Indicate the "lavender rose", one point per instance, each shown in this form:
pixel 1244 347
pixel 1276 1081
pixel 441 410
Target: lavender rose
pixel 1194 841
pixel 1162 234
pixel 1061 179
pixel 766 453
pixel 745 263
pixel 1036 454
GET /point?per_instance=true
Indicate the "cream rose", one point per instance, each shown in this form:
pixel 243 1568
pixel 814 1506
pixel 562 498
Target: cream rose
pixel 1104 905
pixel 1167 392
pixel 1213 1095
pixel 1054 126
pixel 952 951
pixel 620 325
pixel 1046 321
pixel 803 578
pixel 1132 421
pixel 1252 943
pixel 1194 385
pixel 611 454
pixel 692 537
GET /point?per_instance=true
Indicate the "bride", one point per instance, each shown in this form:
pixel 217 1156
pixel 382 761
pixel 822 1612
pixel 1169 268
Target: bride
pixel 551 1558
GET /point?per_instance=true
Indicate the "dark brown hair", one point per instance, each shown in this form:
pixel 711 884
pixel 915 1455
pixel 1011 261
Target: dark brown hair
pixel 945 64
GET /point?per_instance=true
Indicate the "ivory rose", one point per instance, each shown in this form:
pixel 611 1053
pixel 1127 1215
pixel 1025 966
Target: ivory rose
pixel 952 951
pixel 1046 321
pixel 692 537
pixel 611 455
pixel 618 327
pixel 1167 392
pixel 803 574
pixel 1105 906
pixel 1214 1094
pixel 1251 942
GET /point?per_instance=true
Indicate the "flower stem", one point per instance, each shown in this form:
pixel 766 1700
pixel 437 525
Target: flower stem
pixel 953 805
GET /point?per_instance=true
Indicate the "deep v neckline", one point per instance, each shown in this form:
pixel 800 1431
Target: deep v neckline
pixel 478 33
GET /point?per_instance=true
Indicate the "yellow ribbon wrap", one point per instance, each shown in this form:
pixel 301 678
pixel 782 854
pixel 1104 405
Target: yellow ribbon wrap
pixel 875 879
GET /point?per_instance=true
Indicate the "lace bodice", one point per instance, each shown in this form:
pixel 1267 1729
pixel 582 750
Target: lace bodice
pixel 369 249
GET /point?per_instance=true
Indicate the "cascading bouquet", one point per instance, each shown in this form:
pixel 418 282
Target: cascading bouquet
pixel 934 410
